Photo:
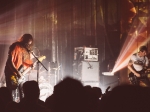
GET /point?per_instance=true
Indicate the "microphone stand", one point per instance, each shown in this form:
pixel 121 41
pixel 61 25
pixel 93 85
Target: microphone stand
pixel 38 65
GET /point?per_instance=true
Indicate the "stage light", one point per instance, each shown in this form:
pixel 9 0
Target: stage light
pixel 130 47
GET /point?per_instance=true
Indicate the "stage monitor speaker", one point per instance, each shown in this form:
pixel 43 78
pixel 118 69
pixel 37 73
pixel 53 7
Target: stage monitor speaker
pixel 90 71
pixel 107 81
pixel 91 83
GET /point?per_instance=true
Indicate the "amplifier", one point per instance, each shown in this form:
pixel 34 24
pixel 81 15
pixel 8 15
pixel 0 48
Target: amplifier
pixel 89 71
pixel 85 54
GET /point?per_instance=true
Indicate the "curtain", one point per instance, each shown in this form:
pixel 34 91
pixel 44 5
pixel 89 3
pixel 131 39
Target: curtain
pixel 58 26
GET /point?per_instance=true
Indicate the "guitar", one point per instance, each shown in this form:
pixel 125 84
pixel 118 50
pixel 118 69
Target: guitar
pixel 15 81
pixel 134 79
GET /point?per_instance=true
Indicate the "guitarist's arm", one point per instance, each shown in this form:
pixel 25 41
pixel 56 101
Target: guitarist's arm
pixel 131 69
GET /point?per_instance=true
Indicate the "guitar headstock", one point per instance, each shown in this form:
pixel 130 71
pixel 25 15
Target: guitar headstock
pixel 41 58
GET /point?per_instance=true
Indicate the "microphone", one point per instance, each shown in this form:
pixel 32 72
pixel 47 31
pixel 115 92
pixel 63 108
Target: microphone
pixel 36 50
pixel 27 49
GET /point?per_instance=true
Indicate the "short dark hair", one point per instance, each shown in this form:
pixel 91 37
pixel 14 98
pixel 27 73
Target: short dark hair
pixel 143 48
pixel 31 89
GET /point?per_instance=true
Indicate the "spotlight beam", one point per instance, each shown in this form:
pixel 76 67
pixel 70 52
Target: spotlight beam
pixel 130 46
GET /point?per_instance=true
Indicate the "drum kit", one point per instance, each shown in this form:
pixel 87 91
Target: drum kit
pixel 46 80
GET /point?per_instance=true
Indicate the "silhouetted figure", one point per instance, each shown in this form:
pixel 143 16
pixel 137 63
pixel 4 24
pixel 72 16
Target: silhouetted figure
pixel 69 96
pixel 5 98
pixel 49 103
pixel 31 97
pixel 128 98
pixel 98 92
pixel 93 98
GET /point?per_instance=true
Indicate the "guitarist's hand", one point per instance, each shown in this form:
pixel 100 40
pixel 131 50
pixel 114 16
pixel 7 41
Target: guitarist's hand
pixel 18 74
pixel 137 74
pixel 33 65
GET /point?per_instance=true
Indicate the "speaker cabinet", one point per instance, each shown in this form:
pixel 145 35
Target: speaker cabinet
pixel 89 71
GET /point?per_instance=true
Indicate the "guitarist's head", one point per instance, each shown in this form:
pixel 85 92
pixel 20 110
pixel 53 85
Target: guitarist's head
pixel 27 41
pixel 142 51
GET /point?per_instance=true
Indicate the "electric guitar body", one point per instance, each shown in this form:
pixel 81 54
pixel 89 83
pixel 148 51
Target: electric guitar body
pixel 15 81
pixel 134 79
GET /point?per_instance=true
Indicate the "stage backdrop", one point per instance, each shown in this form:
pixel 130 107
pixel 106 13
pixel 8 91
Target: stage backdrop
pixel 60 25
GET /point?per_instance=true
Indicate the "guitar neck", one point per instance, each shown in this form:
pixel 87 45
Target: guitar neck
pixel 26 71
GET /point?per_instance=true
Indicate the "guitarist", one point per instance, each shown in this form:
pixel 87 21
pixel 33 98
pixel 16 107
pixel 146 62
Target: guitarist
pixel 19 58
pixel 137 65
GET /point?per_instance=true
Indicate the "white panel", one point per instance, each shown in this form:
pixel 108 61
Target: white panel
pixel 90 71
